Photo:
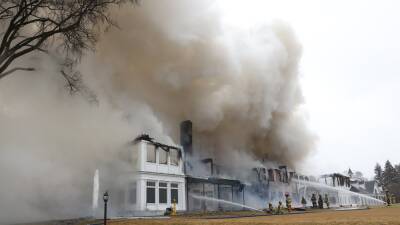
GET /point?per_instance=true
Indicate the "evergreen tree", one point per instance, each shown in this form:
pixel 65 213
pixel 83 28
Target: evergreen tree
pixel 390 178
pixel 378 174
pixel 397 167
pixel 397 173
pixel 394 186
pixel 388 174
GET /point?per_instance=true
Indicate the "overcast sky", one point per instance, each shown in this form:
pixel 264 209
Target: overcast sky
pixel 350 74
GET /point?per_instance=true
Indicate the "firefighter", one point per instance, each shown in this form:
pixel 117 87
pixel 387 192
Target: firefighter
pixel 320 202
pixel 173 212
pixel 303 202
pixel 279 211
pixel 388 198
pixel 288 202
pixel 326 201
pixel 270 208
pixel 314 201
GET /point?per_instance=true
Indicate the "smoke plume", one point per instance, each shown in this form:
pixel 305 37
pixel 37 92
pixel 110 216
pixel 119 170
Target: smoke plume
pixel 169 61
pixel 240 88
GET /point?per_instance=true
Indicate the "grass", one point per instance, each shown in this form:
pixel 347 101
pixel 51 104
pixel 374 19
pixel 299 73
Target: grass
pixel 384 215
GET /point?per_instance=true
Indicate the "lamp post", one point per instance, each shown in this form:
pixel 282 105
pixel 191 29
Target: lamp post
pixel 105 198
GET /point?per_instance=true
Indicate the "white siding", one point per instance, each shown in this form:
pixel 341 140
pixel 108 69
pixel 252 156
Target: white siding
pixel 146 171
pixel 161 178
pixel 156 167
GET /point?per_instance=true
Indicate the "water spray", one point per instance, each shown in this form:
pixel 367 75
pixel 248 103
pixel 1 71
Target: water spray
pixel 225 202
pixel 95 200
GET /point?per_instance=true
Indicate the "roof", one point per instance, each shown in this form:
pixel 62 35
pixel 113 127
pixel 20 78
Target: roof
pixel 143 137
pixel 333 175
pixel 369 186
pixel 213 180
pixel 350 172
pixel 146 137
pixel 359 190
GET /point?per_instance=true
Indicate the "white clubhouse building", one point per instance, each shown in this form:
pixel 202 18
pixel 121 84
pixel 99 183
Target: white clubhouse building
pixel 158 177
pixel 155 177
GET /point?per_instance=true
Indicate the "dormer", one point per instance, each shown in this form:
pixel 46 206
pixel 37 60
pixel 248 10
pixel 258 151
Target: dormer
pixel 151 156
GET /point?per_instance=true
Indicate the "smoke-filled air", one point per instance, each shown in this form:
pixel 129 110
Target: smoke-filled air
pixel 167 62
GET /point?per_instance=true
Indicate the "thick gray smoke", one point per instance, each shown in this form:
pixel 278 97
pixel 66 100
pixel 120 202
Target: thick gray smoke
pixel 170 61
pixel 240 88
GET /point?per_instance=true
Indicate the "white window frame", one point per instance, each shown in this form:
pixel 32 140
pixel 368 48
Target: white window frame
pixel 155 191
pixel 174 188
pixel 164 188
pixel 158 153
pixel 177 155
pixel 153 148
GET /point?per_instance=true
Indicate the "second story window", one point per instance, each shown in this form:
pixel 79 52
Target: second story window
pixel 162 156
pixel 151 154
pixel 263 174
pixel 271 176
pixel 174 157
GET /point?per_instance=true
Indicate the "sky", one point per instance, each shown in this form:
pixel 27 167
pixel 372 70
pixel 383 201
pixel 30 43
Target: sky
pixel 349 75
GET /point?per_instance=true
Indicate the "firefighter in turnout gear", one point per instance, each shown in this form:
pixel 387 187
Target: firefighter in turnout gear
pixel 288 202
pixel 314 201
pixel 326 200
pixel 303 202
pixel 320 202
pixel 279 211
pixel 173 213
pixel 388 198
pixel 270 208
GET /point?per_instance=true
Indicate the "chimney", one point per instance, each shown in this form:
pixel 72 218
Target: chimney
pixel 186 136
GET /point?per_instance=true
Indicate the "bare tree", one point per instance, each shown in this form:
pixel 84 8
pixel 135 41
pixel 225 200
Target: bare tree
pixel 71 26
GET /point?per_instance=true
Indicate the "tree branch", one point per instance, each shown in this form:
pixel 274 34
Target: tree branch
pixel 15 69
pixel 68 27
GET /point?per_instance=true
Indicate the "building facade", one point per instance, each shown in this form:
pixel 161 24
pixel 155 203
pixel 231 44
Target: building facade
pixel 156 180
pixel 159 175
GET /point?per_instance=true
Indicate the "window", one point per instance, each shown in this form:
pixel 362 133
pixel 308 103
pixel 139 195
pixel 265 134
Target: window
pixel 151 192
pixel 151 154
pixel 162 156
pixel 271 175
pixel 162 192
pixel 263 174
pixel 174 157
pixel 174 193
pixel 132 193
pixel 278 175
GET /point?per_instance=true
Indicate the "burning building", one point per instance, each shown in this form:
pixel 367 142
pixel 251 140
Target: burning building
pixel 240 87
pixel 154 181
pixel 160 175
pixel 204 187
